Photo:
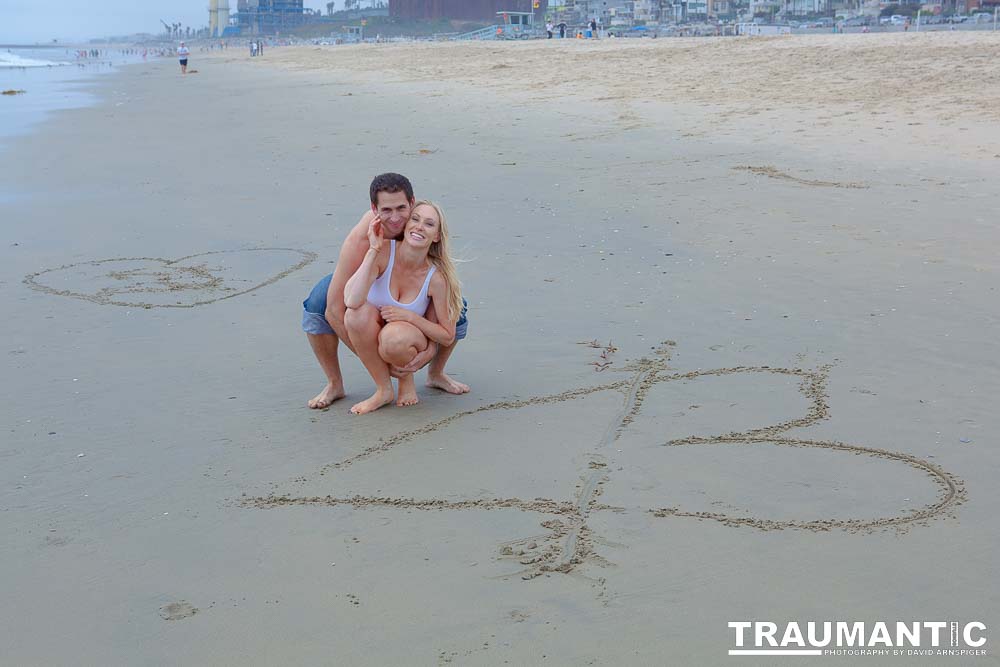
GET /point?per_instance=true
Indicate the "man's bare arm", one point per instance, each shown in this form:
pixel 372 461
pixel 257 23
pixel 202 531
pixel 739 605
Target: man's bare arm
pixel 352 253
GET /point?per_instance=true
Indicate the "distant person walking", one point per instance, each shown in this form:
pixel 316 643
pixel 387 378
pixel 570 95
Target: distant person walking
pixel 253 48
pixel 548 29
pixel 182 54
pixel 260 47
pixel 593 28
pixel 562 31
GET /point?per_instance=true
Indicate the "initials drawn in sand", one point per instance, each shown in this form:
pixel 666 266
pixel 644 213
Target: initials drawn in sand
pixel 951 491
pixel 774 172
pixel 154 282
pixel 568 541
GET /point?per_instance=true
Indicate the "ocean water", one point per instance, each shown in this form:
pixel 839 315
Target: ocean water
pixel 52 77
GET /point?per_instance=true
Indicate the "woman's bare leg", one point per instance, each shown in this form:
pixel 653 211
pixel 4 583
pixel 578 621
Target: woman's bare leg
pixel 407 394
pixel 364 326
pixel 399 342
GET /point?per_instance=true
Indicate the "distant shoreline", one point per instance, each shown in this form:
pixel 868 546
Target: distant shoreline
pixel 72 45
pixel 38 46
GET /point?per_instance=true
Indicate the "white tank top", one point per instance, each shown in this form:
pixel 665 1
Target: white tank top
pixel 379 294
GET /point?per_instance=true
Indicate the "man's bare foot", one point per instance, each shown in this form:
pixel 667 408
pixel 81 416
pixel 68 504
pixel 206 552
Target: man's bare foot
pixel 446 383
pixel 407 392
pixel 378 399
pixel 325 398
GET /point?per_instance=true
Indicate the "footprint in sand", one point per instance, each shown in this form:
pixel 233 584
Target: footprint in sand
pixel 176 611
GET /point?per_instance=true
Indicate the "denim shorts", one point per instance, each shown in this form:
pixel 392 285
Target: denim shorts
pixel 314 312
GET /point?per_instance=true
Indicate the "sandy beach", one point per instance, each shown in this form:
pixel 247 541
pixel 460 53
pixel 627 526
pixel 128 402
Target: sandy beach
pixel 732 350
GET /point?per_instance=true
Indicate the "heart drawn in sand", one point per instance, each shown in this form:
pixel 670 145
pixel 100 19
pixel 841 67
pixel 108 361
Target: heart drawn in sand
pixel 186 282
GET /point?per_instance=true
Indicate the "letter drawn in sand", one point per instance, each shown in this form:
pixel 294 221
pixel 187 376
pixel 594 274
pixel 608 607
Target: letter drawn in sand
pixel 569 542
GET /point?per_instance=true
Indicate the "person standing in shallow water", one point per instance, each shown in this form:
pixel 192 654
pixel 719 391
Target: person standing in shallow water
pixel 182 54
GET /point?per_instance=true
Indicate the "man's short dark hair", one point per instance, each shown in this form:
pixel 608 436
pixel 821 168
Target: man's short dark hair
pixel 390 182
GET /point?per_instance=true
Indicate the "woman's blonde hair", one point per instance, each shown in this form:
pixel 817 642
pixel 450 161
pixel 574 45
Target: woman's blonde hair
pixel 441 259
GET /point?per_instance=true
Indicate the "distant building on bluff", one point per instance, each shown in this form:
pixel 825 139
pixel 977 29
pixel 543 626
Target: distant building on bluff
pixel 267 17
pixel 469 10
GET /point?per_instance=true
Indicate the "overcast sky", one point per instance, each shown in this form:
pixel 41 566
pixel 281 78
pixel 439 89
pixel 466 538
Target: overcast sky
pixel 28 21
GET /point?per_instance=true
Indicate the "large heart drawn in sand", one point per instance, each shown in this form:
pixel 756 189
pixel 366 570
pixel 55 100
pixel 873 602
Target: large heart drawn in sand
pixel 186 282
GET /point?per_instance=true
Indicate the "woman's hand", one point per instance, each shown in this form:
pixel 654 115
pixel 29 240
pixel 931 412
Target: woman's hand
pixel 375 236
pixel 394 314
pixel 417 362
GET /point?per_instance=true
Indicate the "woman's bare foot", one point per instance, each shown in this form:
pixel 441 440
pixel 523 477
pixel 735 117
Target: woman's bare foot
pixel 446 383
pixel 325 398
pixel 378 399
pixel 407 392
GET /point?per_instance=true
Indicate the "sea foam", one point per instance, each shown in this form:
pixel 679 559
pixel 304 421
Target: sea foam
pixel 8 59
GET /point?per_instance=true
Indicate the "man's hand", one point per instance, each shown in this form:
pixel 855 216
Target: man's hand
pixel 419 361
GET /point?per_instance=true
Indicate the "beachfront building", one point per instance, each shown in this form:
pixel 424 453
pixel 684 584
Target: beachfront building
pixel 558 10
pixel 268 17
pixel 564 11
pixel 620 18
pixel 717 8
pixel 804 7
pixel 647 11
pixel 469 10
pixel 561 6
pixel 654 12
pixel 581 11
pixel 767 7
pixel 696 9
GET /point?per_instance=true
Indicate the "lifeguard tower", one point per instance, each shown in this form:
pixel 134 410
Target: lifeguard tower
pixel 515 25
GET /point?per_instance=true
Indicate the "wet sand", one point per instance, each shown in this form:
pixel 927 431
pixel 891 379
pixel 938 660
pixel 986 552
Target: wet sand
pixel 725 365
